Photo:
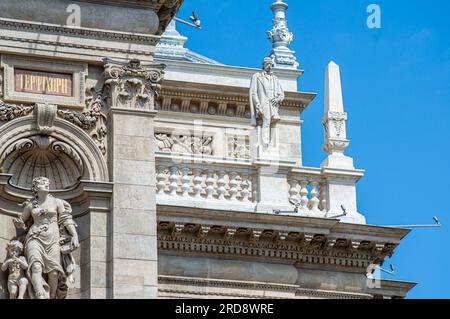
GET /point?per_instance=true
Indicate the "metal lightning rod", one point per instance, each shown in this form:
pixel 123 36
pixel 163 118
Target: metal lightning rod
pixel 436 220
pixel 196 23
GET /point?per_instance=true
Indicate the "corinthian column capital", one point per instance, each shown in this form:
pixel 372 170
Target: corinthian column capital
pixel 132 85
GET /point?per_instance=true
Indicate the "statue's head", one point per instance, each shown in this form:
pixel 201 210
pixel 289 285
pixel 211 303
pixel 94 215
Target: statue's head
pixel 267 64
pixel 40 184
pixel 14 248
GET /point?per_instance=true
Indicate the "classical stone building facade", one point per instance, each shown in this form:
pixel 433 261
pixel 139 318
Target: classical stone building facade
pixel 158 154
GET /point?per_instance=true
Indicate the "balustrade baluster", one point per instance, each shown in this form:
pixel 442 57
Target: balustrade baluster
pixel 197 182
pixel 185 179
pixel 304 193
pixel 173 179
pixel 233 186
pixel 314 200
pixel 221 190
pixel 245 192
pixel 209 184
pixel 161 180
pixel 293 191
pixel 323 197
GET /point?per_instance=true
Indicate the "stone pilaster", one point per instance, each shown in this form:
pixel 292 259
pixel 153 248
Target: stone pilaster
pixel 94 228
pixel 132 88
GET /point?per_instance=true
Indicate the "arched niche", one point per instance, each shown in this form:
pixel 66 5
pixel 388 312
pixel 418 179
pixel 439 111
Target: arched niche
pixel 64 153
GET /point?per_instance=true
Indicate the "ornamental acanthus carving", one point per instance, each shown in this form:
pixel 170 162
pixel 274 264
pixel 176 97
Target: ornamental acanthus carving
pixel 132 85
pixel 335 135
pixel 92 119
pixel 9 112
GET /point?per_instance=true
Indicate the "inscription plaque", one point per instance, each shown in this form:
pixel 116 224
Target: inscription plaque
pixel 46 83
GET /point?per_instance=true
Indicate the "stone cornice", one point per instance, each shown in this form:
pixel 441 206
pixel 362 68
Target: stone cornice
pixel 323 225
pixel 331 174
pixel 78 32
pixel 299 100
pixel 220 100
pixel 285 239
pixel 393 288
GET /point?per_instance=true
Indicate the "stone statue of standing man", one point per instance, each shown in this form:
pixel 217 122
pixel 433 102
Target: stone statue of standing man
pixel 266 95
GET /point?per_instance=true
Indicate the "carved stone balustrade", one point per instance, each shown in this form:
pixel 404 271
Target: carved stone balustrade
pixel 308 188
pixel 204 183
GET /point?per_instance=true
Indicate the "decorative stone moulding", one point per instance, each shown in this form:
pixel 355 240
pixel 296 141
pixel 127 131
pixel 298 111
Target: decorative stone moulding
pixel 274 244
pixel 188 287
pixel 217 100
pixel 198 105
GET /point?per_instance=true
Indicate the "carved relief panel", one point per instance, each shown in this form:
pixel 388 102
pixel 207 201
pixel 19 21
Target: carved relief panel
pixel 184 144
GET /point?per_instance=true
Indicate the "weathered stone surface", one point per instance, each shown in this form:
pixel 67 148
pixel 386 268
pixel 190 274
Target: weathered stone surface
pixel 132 221
pixel 227 269
pixel 97 16
pixel 140 149
pixel 136 292
pixel 136 272
pixel 135 172
pixel 139 247
pixel 132 126
pixel 134 196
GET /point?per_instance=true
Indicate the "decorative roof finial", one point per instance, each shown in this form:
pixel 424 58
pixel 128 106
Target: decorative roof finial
pixel 334 120
pixel 281 38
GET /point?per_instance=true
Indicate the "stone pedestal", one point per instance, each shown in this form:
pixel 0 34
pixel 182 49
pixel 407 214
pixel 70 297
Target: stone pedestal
pixel 341 193
pixel 272 188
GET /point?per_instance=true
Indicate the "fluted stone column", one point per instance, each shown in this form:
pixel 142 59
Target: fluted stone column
pixel 134 244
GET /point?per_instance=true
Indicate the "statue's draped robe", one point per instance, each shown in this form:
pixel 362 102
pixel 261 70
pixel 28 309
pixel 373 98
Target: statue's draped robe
pixel 43 241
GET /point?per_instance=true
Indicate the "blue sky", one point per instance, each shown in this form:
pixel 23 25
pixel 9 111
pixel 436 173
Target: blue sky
pixel 396 84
